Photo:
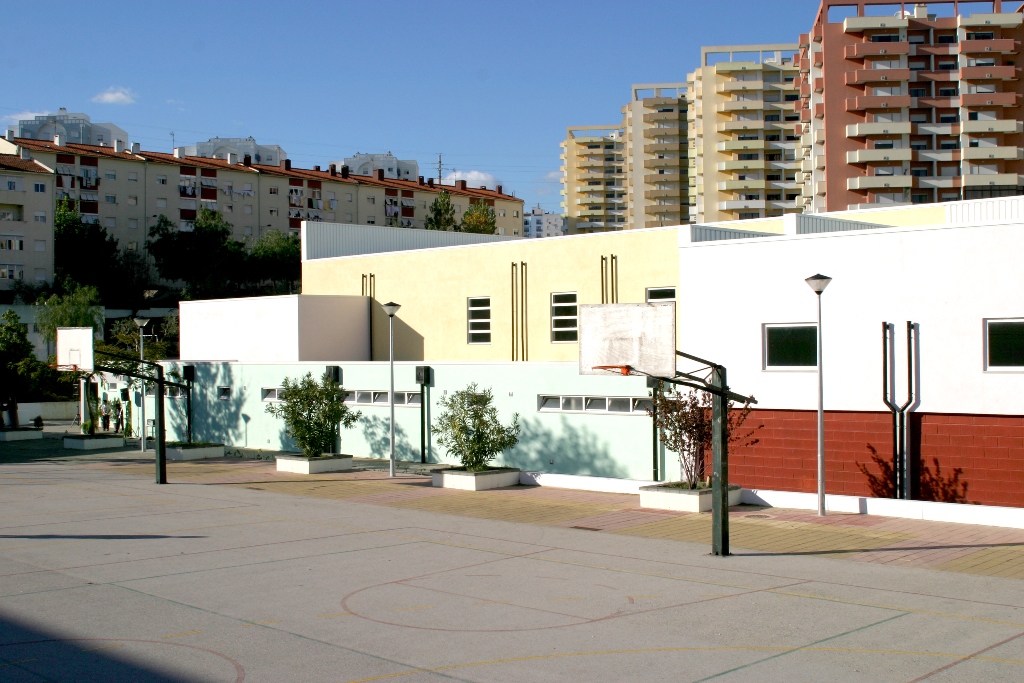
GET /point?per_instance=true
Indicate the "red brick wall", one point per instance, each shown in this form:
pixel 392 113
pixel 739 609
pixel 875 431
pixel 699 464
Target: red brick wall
pixel 987 449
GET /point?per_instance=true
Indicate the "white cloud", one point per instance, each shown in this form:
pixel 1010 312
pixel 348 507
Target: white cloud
pixel 173 101
pixel 473 178
pixel 553 177
pixel 116 95
pixel 22 115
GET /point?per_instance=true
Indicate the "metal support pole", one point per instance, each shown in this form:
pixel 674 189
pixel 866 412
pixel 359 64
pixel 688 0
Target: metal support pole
pixel 142 403
pixel 391 392
pixel 423 423
pixel 821 422
pixel 719 465
pixel 161 438
pixel 188 411
pixel 654 430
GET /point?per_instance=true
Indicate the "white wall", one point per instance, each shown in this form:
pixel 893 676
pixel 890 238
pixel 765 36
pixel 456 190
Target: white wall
pixel 269 329
pixel 948 279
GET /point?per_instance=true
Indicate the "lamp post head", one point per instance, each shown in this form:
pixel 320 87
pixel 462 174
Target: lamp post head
pixel 391 308
pixel 818 283
pixel 141 322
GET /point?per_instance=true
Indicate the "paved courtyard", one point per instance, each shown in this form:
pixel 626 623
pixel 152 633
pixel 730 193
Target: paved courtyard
pixel 233 572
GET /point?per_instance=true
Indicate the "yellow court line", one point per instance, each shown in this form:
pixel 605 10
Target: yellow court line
pixel 752 648
pixel 103 647
pixel 179 635
pixel 337 614
pixel 406 609
pixel 263 623
pixel 20 661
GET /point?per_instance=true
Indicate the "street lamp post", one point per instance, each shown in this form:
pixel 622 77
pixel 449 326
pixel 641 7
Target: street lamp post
pixel 818 283
pixel 141 324
pixel 391 308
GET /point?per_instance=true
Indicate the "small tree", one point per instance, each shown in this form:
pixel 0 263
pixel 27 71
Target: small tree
pixel 14 348
pixel 278 258
pixel 685 427
pixel 312 412
pixel 207 259
pixel 78 308
pixel 442 213
pixel 479 218
pixel 469 427
pixel 84 252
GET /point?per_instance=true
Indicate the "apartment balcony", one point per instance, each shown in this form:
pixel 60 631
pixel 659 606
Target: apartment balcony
pixel 819 188
pixel 876 205
pixel 995 153
pixel 944 155
pixel 1002 20
pixel 819 85
pixel 741 204
pixel 1003 46
pixel 583 201
pixel 1001 126
pixel 782 204
pixel 665 163
pixel 664 178
pixel 658 116
pixel 945 182
pixel 877 102
pixel 737 185
pixel 739 105
pixel 937 129
pixel 748 165
pixel 727 126
pixel 595 163
pixel 861 24
pixel 981 99
pixel 935 102
pixel 863 76
pixel 665 194
pixel 740 145
pixel 665 130
pixel 734 86
pixel 655 147
pixel 587 213
pixel 995 73
pixel 806 140
pixel 943 76
pixel 983 179
pixel 731 67
pixel 860 130
pixel 880 182
pixel 864 156
pixel 862 50
pixel 807 165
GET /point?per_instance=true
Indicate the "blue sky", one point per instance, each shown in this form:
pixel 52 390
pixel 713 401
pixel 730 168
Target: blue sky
pixel 490 85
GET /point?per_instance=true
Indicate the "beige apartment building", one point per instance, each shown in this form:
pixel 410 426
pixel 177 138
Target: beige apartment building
pixel 657 155
pixel 742 117
pixel 26 221
pixel 127 190
pixel 594 179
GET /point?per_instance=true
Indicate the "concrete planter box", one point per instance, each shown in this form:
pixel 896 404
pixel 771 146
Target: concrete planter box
pixel 48 410
pixel 195 452
pixel 683 500
pixel 301 464
pixel 85 442
pixel 20 434
pixel 475 481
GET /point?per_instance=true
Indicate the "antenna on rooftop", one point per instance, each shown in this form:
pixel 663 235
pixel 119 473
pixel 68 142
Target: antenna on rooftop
pixel 172 142
pixel 438 168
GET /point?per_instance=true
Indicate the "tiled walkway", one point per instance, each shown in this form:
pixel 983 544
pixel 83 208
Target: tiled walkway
pixel 961 548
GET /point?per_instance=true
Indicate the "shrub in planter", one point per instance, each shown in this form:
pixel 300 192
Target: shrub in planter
pixel 469 427
pixel 312 411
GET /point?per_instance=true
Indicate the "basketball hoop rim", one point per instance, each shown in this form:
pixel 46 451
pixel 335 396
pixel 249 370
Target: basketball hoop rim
pixel 626 370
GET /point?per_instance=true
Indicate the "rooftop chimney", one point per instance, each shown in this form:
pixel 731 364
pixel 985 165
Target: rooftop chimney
pixel 497 189
pixel 136 148
pixel 26 154
pixel 232 158
pixel 58 140
pixel 118 146
pixel 286 164
pixel 430 182
pixel 344 171
pixel 179 153
pixel 247 160
pixel 332 169
pixel 460 184
pixel 379 173
pixel 316 168
pixel 10 135
pixel 421 180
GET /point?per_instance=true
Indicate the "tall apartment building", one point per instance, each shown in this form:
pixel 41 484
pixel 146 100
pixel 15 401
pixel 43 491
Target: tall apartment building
pixel 540 223
pixel 26 220
pixel 742 112
pixel 594 179
pixel 126 190
pixel 656 155
pixel 73 127
pixel 393 167
pixel 222 148
pixel 915 106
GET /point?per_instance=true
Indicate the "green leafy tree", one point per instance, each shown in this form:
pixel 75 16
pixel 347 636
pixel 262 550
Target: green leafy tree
pixel 312 412
pixel 78 308
pixel 442 213
pixel 14 348
pixel 206 259
pixel 479 218
pixel 468 427
pixel 84 253
pixel 135 279
pixel 277 257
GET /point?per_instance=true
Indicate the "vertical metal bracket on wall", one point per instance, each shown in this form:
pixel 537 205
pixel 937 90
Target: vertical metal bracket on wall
pixel 654 384
pixel 524 325
pixel 902 466
pixel 719 464
pixel 424 376
pixel 515 311
pixel 614 283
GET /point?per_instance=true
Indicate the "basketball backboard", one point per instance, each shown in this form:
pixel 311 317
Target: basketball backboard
pixel 641 336
pixel 74 349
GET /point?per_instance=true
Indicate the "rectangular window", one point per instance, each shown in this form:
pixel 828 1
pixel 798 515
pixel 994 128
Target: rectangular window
pixel 133 201
pixel 271 394
pixel 40 217
pixel 110 198
pixel 274 212
pixel 791 346
pixel 133 177
pixel 39 187
pixel 110 175
pixel 161 180
pixel 161 203
pixel 223 393
pixel 272 190
pixel 371 200
pixel 133 223
pixel 1005 343
pixel 564 317
pixel 655 294
pixel 478 319
pixel 622 405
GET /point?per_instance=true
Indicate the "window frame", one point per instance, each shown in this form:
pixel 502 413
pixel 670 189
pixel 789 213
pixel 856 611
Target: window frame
pixel 986 350
pixel 470 320
pixel 648 299
pixel 575 328
pixel 785 368
pixel 637 404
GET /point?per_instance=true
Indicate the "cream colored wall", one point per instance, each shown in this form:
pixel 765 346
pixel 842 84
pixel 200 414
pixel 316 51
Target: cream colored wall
pixel 433 285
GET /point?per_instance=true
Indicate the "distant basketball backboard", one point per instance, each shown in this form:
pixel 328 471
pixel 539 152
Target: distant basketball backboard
pixel 74 349
pixel 641 336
